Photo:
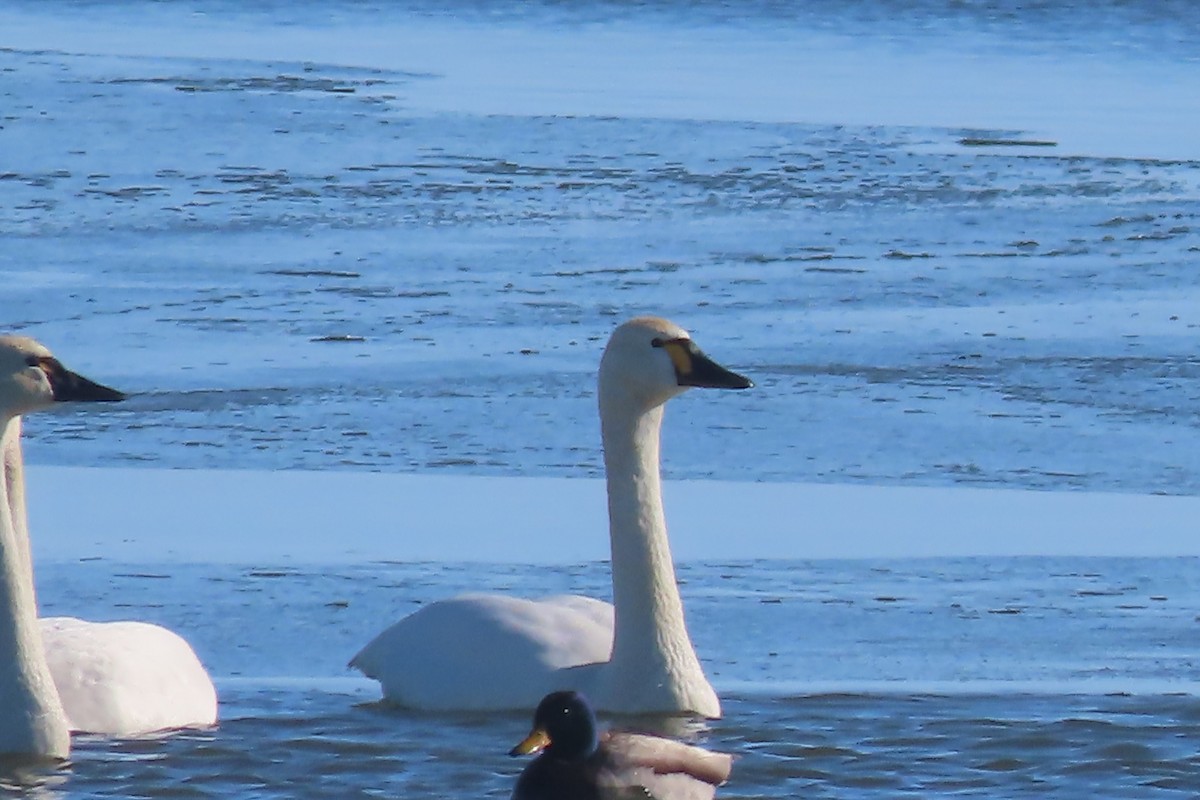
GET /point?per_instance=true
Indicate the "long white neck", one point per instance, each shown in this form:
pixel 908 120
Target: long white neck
pixel 13 464
pixel 32 722
pixel 653 664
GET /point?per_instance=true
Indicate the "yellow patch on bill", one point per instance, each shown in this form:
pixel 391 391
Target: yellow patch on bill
pixel 681 357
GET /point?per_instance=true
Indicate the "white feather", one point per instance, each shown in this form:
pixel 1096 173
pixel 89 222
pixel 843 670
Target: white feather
pixel 126 678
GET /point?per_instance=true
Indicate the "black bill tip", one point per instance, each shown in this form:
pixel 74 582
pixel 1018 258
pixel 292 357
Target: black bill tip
pixel 71 386
pixel 697 369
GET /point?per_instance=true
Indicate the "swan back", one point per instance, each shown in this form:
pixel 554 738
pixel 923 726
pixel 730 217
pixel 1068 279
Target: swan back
pixel 126 678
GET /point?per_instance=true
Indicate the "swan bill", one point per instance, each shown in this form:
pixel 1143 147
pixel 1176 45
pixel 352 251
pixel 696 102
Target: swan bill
pixel 694 368
pixel 71 386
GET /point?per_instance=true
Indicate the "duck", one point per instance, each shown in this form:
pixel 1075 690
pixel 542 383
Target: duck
pixel 577 762
pixel 123 678
pixel 491 652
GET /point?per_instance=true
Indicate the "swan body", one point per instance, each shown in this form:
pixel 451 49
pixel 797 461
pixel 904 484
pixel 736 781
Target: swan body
pixel 126 678
pixel 492 652
pixel 479 644
pixel 576 761
pixel 122 678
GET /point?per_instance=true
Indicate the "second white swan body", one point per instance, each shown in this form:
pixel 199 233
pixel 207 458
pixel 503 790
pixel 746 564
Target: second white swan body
pixel 635 656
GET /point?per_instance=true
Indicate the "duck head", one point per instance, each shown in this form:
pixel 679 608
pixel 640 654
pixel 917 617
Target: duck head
pixel 564 728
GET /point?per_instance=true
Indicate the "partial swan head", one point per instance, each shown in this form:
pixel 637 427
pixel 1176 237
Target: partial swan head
pixel 32 378
pixel 649 360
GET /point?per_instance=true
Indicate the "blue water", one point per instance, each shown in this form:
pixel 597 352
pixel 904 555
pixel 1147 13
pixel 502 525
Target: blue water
pixel 825 746
pixel 300 248
pixel 971 677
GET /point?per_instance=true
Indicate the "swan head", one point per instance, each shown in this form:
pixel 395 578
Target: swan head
pixel 564 726
pixel 32 378
pixel 650 360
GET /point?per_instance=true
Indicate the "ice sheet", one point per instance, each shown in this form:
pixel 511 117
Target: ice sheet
pixel 232 516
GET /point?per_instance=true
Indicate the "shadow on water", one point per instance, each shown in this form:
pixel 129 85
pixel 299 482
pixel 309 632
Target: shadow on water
pixel 40 778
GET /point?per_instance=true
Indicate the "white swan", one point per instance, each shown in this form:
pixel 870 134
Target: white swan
pixel 494 652
pixel 113 678
pixel 32 722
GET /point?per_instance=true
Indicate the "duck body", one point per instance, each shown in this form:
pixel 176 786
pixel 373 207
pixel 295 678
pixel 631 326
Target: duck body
pixel 560 779
pixel 576 762
pixel 490 652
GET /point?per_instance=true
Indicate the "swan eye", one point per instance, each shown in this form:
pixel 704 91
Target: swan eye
pixel 47 364
pixel 657 342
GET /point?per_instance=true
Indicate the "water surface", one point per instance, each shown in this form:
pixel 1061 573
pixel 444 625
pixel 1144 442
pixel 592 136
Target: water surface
pixel 973 677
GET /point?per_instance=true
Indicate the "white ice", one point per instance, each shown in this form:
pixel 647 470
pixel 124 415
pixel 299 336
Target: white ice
pixel 226 516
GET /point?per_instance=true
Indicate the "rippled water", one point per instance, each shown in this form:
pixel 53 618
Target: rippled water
pixel 318 743
pixel 972 677
pixel 294 268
